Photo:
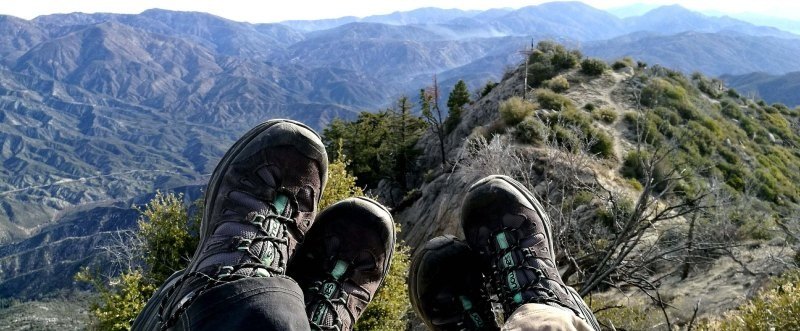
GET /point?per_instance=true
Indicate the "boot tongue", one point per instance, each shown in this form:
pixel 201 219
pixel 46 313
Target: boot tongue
pixel 281 205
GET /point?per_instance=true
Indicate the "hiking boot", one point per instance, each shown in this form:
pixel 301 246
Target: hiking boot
pixel 510 232
pixel 446 288
pixel 343 262
pixel 260 201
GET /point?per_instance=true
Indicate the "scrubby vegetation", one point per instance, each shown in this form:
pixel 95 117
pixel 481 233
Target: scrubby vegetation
pixel 750 146
pixel 553 101
pixel 625 62
pixel 593 67
pixel 515 109
pixel 557 84
pixel 548 60
pixel 777 308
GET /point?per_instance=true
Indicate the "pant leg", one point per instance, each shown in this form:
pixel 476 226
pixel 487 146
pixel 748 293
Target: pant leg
pixel 261 303
pixel 540 317
pixel 148 317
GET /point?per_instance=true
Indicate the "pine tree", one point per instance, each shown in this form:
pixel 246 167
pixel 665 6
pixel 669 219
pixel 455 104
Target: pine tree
pixel 455 102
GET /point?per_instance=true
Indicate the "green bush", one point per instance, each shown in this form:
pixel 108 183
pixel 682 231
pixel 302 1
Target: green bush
pixel 548 99
pixel 490 85
pixel 662 92
pixel 169 237
pixel 119 302
pixel 625 62
pixel 626 316
pixel 775 309
pixel 531 131
pixel 593 67
pixel 633 166
pixel 603 145
pixel 606 115
pixel 557 84
pixel 547 60
pixel 565 137
pixel 515 109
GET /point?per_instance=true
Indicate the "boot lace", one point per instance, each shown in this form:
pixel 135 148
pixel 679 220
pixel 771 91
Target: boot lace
pixel 271 231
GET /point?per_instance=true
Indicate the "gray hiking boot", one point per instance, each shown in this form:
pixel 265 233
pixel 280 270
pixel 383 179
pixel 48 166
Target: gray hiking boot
pixel 260 201
pixel 511 233
pixel 344 261
pixel 446 288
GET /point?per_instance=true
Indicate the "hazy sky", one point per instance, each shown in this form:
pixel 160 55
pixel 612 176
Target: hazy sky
pixel 273 11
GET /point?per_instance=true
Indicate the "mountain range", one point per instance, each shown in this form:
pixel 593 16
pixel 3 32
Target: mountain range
pixel 100 108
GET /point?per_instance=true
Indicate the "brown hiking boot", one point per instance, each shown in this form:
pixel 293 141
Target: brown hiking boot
pixel 260 201
pixel 509 230
pixel 446 288
pixel 344 261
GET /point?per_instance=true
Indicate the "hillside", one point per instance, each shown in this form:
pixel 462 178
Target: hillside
pixel 759 85
pixel 733 154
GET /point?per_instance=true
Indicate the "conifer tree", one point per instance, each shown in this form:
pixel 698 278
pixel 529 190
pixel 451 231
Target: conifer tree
pixel 455 103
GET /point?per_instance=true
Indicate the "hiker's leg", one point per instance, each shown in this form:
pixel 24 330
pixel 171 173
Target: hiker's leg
pixel 540 317
pixel 261 200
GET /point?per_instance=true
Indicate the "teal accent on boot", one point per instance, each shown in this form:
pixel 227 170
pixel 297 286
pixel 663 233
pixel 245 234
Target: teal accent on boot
pixel 501 240
pixel 339 269
pixel 281 201
pixel 508 260
pixel 465 302
pixel 513 284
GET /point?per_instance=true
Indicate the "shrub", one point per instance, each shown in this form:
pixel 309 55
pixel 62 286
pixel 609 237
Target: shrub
pixel 515 109
pixel 565 137
pixel 169 236
pixel 606 115
pixel 557 84
pixel 625 62
pixel 490 85
pixel 711 87
pixel 593 67
pixel 625 315
pixel 531 131
pixel 589 106
pixel 118 304
pixel 774 309
pixel 603 145
pixel 547 60
pixel 341 184
pixel 550 100
pixel 661 92
pixel 632 167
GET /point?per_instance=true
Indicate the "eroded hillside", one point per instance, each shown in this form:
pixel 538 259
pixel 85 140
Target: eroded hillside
pixel 694 180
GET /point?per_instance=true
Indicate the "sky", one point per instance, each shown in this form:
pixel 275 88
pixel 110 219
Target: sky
pixel 274 11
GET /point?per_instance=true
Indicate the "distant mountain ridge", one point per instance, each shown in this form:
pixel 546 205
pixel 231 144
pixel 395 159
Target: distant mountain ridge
pixel 101 108
pixel 775 88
